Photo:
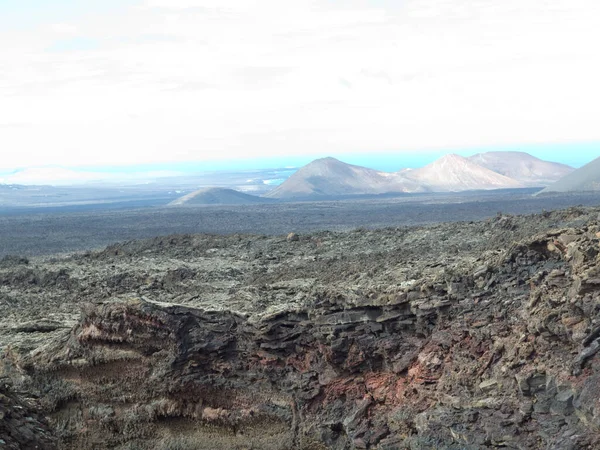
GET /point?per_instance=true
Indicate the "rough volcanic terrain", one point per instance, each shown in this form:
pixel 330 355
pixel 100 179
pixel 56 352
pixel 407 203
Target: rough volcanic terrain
pixel 468 335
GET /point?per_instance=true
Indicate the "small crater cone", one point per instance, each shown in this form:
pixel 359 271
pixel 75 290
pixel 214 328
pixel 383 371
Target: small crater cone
pixel 293 237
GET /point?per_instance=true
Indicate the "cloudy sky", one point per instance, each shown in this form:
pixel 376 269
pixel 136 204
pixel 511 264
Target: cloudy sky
pixel 114 82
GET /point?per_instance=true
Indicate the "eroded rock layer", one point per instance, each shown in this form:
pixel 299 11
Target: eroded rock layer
pixel 457 336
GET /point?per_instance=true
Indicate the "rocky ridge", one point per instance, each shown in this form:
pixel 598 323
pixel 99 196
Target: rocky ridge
pixel 458 336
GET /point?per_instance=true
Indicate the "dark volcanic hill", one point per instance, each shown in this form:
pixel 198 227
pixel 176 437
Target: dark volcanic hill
pixel 587 178
pixel 331 177
pixel 218 196
pixel 455 173
pixel 523 167
pixel 467 336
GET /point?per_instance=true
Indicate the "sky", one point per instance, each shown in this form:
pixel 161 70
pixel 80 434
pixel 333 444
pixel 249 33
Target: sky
pixel 155 83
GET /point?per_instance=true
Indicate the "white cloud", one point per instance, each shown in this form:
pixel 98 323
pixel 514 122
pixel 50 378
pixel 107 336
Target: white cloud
pixel 208 79
pixel 63 28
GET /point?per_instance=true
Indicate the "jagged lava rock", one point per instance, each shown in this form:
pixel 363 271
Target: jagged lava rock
pixel 458 336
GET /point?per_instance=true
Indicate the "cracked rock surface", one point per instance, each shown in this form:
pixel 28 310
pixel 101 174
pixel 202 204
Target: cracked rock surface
pixel 454 336
pixel 21 427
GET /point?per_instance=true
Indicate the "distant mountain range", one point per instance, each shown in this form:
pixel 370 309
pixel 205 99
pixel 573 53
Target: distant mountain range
pixel 329 177
pixel 451 173
pixel 587 178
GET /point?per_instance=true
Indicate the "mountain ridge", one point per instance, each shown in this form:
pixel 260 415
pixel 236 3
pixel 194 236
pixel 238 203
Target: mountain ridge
pixel 523 167
pixel 332 177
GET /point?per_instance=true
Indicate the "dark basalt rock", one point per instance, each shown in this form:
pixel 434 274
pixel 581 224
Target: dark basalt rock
pixel 21 427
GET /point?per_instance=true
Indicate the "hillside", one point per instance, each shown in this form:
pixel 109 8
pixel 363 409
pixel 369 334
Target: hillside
pixel 455 173
pixel 218 196
pixel 587 178
pixel 523 167
pixel 331 177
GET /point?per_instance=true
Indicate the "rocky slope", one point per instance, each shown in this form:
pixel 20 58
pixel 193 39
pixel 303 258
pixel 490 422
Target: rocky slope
pixel 455 336
pixel 523 167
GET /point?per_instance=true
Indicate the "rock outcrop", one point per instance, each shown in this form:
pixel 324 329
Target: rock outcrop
pixel 455 336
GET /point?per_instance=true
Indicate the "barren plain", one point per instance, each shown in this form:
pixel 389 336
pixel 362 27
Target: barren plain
pixel 43 231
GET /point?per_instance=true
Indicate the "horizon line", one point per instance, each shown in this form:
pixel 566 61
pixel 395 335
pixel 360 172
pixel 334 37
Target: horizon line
pixel 376 160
